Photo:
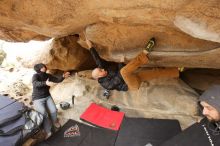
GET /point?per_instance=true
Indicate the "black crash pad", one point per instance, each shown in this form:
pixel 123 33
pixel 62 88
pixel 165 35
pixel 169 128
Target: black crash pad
pixel 133 132
pixel 74 133
pixel 146 132
pixel 199 134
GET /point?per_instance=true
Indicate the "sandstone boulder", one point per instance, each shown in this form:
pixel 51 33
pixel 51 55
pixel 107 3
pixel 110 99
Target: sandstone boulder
pixel 67 54
pixel 200 19
pixel 62 54
pixel 187 31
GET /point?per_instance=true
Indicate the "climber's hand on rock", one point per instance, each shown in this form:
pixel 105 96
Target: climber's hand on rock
pixel 89 43
pixel 66 74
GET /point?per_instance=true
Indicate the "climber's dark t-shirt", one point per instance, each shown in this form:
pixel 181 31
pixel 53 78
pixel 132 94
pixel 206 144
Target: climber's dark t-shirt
pixel 113 80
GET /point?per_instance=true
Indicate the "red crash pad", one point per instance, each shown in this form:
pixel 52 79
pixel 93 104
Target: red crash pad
pixel 102 117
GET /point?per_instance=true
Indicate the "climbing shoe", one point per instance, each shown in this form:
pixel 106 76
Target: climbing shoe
pixel 150 44
pixel 181 69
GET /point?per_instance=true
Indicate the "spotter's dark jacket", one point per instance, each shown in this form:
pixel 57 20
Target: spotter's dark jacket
pixel 40 89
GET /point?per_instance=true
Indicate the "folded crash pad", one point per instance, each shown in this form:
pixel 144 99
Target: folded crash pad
pixel 146 132
pixel 5 101
pixel 74 133
pixel 198 134
pixel 102 117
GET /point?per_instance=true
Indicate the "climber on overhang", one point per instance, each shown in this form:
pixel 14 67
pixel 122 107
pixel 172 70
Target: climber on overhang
pixel 124 76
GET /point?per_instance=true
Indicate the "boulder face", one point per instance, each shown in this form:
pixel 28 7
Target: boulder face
pixel 62 54
pixel 200 19
pixel 65 54
pixel 187 32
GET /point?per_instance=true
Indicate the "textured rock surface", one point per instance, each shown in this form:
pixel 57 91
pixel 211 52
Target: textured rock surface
pixel 62 54
pixel 171 99
pixel 17 84
pixel 184 29
pixel 200 19
pixel 67 54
